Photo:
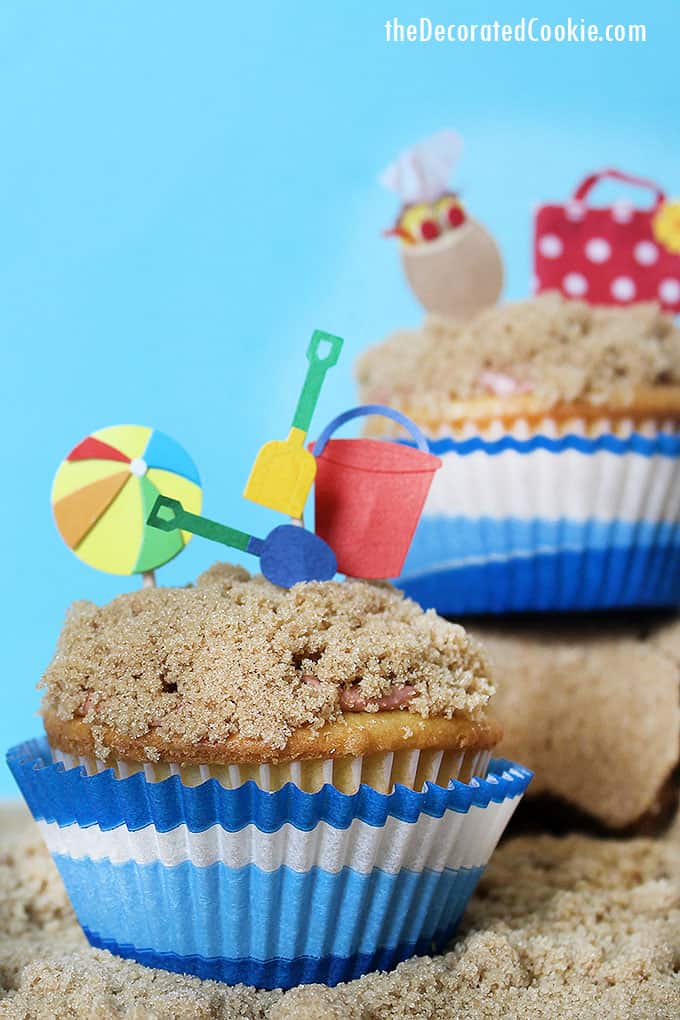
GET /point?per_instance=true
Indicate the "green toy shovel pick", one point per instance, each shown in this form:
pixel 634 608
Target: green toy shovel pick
pixel 288 555
pixel 284 470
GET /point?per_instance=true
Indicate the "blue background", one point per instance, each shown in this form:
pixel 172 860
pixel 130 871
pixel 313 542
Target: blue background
pixel 188 189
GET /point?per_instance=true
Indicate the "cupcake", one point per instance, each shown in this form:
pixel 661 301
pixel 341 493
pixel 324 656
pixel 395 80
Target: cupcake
pixel 558 425
pixel 264 785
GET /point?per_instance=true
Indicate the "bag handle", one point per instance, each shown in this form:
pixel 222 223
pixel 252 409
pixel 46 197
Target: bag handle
pixel 586 186
pixel 366 409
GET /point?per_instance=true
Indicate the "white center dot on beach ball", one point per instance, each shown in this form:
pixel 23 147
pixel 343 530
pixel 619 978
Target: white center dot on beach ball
pixel 669 290
pixel 575 284
pixel 575 211
pixel 623 288
pixel 597 249
pixel 550 245
pixel 138 467
pixel 622 212
pixel 646 253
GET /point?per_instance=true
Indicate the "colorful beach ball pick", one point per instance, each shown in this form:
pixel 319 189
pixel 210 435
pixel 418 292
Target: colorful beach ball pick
pixel 105 489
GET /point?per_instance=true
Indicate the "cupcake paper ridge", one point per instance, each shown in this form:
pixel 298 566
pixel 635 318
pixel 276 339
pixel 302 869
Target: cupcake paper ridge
pixel 663 444
pixel 67 796
pixel 223 883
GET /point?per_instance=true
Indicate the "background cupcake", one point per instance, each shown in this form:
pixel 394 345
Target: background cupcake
pixel 348 707
pixel 558 427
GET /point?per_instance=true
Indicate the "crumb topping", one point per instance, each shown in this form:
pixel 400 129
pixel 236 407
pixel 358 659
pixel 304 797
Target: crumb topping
pixel 560 351
pixel 235 654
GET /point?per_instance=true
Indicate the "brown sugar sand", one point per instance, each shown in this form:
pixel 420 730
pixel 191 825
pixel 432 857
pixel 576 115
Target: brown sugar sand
pixel 235 654
pixel 560 351
pixel 593 709
pixel 558 929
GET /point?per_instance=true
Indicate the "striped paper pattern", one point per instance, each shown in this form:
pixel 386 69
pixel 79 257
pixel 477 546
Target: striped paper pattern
pixel 267 888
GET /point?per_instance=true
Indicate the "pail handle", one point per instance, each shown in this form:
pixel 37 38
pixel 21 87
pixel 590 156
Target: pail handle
pixel 366 409
pixel 587 185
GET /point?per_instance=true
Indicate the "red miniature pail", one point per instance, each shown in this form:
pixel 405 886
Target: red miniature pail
pixel 369 494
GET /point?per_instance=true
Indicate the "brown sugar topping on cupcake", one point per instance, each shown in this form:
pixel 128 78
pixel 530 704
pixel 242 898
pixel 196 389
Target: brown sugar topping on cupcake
pixel 236 655
pixel 557 351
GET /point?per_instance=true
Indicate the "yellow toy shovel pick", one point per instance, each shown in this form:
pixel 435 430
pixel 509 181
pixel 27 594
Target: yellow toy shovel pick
pixel 284 470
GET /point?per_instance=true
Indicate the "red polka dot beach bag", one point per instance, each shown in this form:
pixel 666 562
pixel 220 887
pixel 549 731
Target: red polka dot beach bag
pixel 610 255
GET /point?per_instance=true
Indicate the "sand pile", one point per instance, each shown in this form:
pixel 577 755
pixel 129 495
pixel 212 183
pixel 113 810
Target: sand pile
pixel 559 928
pixel 593 707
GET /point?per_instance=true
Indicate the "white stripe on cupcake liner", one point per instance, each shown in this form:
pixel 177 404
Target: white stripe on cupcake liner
pixel 570 484
pixel 457 840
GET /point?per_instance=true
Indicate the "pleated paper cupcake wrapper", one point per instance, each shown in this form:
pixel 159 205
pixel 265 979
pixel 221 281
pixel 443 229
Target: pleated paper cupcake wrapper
pixel 381 771
pixel 269 888
pixel 542 521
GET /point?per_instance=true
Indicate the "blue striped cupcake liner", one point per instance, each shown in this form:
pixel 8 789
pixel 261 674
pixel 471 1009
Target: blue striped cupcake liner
pixel 549 523
pixel 268 889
